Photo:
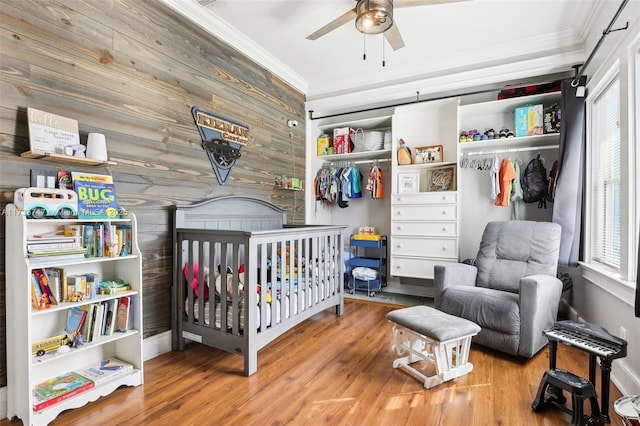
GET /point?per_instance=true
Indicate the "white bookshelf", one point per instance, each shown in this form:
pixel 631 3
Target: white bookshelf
pixel 26 325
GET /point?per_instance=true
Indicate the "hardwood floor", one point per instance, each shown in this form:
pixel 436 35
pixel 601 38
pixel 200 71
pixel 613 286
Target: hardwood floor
pixel 330 371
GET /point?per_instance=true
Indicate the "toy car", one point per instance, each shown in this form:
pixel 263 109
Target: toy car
pixel 50 202
pixel 43 346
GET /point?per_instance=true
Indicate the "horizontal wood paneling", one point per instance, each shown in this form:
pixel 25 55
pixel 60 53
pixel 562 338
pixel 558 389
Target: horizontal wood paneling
pixel 132 70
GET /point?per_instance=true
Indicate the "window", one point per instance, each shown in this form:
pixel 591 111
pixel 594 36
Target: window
pixel 606 211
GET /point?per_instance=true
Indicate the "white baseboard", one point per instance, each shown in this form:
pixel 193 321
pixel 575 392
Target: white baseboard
pixel 3 403
pixel 151 347
pixel 156 345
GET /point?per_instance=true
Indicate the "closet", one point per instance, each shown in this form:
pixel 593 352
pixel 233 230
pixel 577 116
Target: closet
pixel 434 208
pixel 476 205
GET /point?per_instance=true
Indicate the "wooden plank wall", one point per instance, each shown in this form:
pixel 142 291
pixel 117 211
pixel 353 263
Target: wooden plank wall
pixel 132 70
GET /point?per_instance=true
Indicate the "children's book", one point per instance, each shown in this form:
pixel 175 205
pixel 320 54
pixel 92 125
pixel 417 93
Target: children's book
pixel 122 316
pixel 43 281
pixel 75 319
pixel 96 196
pixel 111 310
pixel 98 321
pixel 57 282
pixel 105 370
pixel 59 388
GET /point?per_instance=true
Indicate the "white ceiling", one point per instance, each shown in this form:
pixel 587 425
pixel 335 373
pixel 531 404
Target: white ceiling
pixel 439 38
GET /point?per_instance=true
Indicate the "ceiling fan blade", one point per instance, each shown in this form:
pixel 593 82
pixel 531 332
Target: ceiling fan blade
pixel 412 3
pixel 338 22
pixel 393 37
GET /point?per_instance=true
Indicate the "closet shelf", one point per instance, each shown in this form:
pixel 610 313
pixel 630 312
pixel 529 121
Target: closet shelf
pixel 510 143
pixel 363 155
pixel 425 166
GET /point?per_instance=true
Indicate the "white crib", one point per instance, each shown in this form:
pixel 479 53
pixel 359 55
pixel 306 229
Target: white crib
pixel 286 273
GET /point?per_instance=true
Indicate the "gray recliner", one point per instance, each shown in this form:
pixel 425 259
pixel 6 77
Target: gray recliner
pixel 512 292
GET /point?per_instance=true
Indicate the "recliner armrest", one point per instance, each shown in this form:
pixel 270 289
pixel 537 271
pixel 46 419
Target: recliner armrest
pixel 452 274
pixel 539 301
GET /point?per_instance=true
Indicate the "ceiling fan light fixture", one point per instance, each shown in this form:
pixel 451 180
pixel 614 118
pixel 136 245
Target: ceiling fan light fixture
pixel 374 16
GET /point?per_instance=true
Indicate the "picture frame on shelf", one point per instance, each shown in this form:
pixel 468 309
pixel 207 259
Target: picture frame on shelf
pixel 442 178
pixel 408 182
pixel 428 154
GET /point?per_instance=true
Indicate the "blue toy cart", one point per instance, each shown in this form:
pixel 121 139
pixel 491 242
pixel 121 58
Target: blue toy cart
pixel 370 254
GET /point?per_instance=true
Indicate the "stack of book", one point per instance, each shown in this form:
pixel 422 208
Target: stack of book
pixel 59 388
pixel 55 247
pixel 63 387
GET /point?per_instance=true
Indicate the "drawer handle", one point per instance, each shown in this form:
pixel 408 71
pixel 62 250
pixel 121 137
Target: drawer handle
pixel 444 228
pixel 399 246
pixel 444 248
pixel 444 197
pixel 399 228
pixel 399 212
pixel 444 212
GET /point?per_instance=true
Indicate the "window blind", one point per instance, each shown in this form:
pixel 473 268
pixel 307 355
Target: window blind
pixel 606 213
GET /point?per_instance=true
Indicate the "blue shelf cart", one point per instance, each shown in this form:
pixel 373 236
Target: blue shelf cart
pixel 371 254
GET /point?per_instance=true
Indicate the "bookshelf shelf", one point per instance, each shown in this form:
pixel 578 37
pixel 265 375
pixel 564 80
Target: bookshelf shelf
pixel 102 340
pixel 25 370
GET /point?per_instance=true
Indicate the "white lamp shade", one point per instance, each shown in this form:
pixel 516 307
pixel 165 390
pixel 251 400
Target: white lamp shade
pixel 97 147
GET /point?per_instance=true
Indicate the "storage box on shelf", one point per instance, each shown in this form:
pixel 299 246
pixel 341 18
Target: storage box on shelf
pixel 31 325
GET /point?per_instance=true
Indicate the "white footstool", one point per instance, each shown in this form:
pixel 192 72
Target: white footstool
pixel 434 336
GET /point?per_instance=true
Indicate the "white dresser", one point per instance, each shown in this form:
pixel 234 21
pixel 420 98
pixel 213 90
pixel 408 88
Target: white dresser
pixel 424 232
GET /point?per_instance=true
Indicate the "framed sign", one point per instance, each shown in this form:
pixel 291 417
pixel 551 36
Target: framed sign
pixel 428 154
pixel 408 182
pixel 51 133
pixel 441 178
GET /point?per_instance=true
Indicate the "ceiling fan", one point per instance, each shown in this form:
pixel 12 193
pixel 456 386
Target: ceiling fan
pixel 375 17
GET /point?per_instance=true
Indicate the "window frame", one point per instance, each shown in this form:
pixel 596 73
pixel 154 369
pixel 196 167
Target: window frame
pixel 619 281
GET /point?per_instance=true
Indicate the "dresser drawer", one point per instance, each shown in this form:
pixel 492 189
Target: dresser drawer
pixel 426 212
pixel 415 267
pixel 425 229
pixel 425 198
pixel 425 247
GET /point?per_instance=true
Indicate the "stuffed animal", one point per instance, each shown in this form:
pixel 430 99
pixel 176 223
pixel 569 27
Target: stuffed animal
pixel 194 282
pixel 230 281
pixel 286 257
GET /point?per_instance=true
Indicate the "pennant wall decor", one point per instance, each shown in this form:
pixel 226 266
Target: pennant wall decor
pixel 222 140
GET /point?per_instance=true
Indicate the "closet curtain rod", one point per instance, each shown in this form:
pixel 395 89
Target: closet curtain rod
pixel 418 100
pixel 509 150
pixel 576 80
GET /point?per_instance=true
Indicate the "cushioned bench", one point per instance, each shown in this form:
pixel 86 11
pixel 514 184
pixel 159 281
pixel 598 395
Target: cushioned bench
pixel 427 334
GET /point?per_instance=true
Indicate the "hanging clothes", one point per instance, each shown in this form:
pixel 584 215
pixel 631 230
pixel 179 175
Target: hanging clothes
pixel 375 182
pixel 494 172
pixel 507 174
pixel 517 196
pixel 356 185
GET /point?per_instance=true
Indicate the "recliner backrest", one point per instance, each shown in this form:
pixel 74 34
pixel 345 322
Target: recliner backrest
pixel 513 249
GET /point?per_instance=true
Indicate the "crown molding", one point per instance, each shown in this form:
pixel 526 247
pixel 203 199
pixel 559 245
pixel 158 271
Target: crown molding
pixel 446 80
pixel 209 22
